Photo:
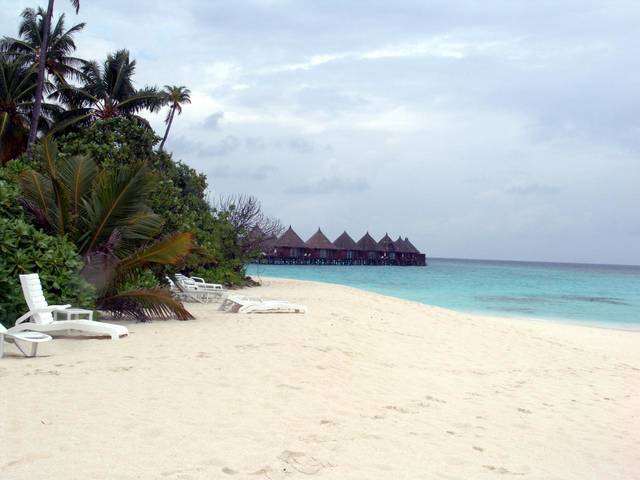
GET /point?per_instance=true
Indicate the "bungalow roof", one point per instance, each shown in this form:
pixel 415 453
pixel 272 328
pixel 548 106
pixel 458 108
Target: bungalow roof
pixel 345 242
pixel 320 241
pixel 386 244
pixel 290 239
pixel 410 247
pixel 367 243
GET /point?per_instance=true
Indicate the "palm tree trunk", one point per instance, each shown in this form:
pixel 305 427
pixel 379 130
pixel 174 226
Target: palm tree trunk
pixel 166 133
pixel 37 106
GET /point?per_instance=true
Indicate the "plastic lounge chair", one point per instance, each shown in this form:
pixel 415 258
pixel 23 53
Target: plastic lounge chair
pixel 209 290
pixel 214 288
pixel 272 306
pixel 34 338
pixel 188 291
pixel 242 304
pixel 39 318
pixel 233 302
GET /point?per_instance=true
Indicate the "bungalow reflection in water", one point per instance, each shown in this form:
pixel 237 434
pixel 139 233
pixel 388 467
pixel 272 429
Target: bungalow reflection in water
pixel 289 248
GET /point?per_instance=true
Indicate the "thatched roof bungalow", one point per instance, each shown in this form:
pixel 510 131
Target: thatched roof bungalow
pixel 290 245
pixel 289 248
pixel 368 249
pixel 347 248
pixel 387 248
pixel 320 247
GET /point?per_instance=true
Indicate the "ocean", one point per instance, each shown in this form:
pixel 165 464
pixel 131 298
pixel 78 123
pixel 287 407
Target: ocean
pixel 599 295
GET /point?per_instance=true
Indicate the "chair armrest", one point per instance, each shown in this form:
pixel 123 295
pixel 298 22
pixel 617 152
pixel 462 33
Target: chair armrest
pixel 50 308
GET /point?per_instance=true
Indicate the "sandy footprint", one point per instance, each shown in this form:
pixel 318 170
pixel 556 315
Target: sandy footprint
pixel 302 463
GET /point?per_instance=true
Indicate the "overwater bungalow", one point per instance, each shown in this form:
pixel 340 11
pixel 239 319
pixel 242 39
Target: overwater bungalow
pixel 320 249
pixel 387 250
pixel 369 254
pixel 289 248
pixel 347 250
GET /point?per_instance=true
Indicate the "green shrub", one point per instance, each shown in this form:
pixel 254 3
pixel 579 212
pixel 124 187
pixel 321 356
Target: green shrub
pixel 25 249
pixel 226 275
pixel 140 279
pixel 9 189
pixel 112 142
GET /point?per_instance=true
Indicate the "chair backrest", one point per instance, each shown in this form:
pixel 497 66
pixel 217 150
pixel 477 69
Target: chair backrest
pixel 34 296
pixel 185 280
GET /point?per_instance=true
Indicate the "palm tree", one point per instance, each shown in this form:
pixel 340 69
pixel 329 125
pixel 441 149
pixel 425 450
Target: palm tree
pixel 42 60
pixel 176 96
pixel 59 63
pixel 17 92
pixel 108 91
pixel 105 214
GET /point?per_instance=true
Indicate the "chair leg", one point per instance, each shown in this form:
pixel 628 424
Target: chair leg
pixel 20 348
pixel 34 349
pixel 1 345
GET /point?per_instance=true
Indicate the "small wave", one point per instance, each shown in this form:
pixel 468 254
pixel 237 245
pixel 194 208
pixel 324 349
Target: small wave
pixel 584 298
pixel 551 299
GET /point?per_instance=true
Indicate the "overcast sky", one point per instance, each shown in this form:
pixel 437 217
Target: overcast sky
pixel 480 129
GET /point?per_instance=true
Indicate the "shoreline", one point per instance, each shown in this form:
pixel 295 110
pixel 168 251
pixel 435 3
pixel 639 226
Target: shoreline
pixel 555 320
pixel 363 386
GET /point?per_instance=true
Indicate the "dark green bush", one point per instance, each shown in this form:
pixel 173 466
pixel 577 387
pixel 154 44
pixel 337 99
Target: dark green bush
pixel 24 249
pixel 9 189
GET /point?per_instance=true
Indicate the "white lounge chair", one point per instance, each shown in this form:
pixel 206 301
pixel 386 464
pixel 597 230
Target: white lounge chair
pixel 215 288
pixel 34 338
pixel 273 306
pixel 200 288
pixel 39 318
pixel 242 304
pixel 188 291
pixel 233 302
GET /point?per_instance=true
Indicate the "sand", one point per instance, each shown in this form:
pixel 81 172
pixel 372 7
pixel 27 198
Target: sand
pixel 362 387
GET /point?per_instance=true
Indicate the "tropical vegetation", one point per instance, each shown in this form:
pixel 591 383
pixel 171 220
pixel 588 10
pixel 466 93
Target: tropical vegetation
pixel 89 197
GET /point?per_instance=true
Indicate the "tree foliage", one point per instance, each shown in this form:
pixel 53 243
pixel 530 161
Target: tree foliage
pixel 98 198
pixel 61 65
pixel 253 228
pixel 105 213
pixel 25 249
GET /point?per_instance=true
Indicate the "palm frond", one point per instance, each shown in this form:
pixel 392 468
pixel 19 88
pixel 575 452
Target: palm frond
pixel 76 175
pixel 38 199
pixel 168 251
pixel 116 197
pixel 147 98
pixel 143 304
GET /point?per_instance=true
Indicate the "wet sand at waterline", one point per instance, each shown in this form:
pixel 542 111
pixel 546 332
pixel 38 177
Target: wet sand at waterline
pixel 362 387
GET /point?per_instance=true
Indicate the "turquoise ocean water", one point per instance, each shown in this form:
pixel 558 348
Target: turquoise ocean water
pixel 602 295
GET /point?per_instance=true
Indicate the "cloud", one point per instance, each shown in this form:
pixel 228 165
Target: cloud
pixel 528 187
pixel 461 112
pixel 212 122
pixel 330 185
pixel 188 147
pixel 259 172
pixel 299 145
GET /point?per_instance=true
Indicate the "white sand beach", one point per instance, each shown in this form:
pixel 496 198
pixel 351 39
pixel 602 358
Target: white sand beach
pixel 362 387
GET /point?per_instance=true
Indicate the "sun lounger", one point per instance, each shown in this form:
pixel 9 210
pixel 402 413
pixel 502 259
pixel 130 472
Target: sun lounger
pixel 214 289
pixel 273 306
pixel 34 338
pixel 233 302
pixel 187 290
pixel 208 290
pixel 39 318
pixel 243 304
